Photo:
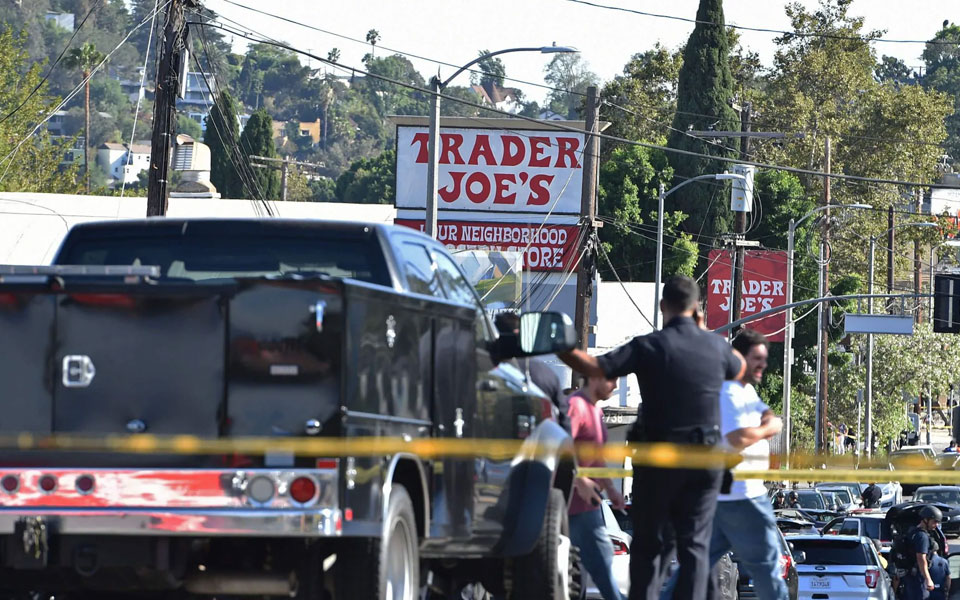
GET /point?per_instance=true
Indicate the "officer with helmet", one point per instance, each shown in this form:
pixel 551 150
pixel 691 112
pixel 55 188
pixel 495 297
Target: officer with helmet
pixel 917 583
pixel 793 500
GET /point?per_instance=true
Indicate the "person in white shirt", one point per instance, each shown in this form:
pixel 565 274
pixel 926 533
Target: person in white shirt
pixel 744 522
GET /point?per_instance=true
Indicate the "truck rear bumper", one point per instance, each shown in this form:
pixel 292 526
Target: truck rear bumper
pixel 308 523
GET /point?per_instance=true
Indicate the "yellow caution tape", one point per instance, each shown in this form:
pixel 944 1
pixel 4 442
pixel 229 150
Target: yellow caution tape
pixel 934 477
pixel 913 469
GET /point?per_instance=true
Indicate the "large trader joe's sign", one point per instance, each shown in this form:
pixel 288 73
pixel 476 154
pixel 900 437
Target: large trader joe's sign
pixel 546 248
pixel 764 287
pixel 493 170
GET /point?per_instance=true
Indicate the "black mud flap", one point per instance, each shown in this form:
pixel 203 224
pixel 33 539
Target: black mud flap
pixel 29 547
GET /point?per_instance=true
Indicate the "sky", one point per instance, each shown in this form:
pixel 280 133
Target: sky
pixel 453 31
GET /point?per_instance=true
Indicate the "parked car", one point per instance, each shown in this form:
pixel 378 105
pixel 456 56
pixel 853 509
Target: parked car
pixel 614 520
pixel 871 524
pixel 947 499
pixel 853 488
pixel 788 565
pixel 846 500
pixel 813 505
pixel 913 457
pixel 842 566
pixel 792 520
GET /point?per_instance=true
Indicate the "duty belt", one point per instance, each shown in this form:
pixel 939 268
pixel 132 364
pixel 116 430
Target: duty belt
pixel 700 435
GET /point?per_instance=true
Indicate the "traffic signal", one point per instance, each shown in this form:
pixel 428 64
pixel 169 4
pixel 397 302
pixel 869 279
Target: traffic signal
pixel 946 303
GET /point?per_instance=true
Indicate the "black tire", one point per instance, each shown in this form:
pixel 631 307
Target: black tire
pixel 387 568
pixel 536 576
pixel 578 591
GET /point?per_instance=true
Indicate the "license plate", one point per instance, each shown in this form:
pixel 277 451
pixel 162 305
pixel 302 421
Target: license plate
pixel 820 583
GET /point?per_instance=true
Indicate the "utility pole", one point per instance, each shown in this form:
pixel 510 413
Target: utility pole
pixel 824 349
pixel 284 165
pixel 890 239
pixel 740 226
pixel 588 207
pixel 918 312
pixel 173 47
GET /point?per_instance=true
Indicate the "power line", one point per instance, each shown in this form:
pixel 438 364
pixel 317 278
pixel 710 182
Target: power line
pixel 560 126
pixel 46 75
pixel 8 159
pixel 833 36
pixel 136 110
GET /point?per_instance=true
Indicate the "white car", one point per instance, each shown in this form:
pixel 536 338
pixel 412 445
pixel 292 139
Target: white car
pixel 621 554
pixel 840 567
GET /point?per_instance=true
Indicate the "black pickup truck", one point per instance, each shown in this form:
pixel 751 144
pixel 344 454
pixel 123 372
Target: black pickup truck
pixel 224 329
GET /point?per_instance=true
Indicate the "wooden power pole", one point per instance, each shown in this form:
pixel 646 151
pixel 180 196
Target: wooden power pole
pixel 588 209
pixel 172 67
pixel 741 220
pixel 824 346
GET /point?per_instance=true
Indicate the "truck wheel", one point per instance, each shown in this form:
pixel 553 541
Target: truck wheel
pixel 540 574
pixel 387 568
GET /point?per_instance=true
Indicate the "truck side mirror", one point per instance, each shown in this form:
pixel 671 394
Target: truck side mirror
pixel 545 333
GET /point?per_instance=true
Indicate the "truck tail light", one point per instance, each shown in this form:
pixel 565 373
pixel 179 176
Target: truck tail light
pixel 10 484
pixel 85 484
pixel 546 409
pixel 872 577
pixel 47 483
pixel 620 547
pixel 303 490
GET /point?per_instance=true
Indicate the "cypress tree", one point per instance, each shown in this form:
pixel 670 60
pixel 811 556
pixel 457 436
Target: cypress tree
pixel 257 139
pixel 222 131
pixel 704 89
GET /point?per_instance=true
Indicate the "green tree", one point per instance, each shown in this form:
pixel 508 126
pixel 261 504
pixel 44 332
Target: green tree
pixel 638 102
pixel 85 59
pixel 891 68
pixel 257 140
pixel 704 89
pixel 570 77
pixel 491 70
pixel 942 58
pixel 369 180
pixel 373 36
pixel 627 198
pixel 35 167
pixel 222 130
pixel 188 126
pixel 323 190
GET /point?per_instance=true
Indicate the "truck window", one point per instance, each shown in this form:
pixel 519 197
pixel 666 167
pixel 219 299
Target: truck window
pixel 209 257
pixel 456 287
pixel 421 271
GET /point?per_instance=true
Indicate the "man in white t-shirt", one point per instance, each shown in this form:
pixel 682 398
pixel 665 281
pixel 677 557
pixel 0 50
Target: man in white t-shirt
pixel 744 522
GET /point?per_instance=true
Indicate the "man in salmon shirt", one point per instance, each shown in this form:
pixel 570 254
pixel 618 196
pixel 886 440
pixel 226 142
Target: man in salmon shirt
pixel 586 521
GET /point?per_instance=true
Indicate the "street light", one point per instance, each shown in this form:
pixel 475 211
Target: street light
pixel 788 334
pixel 433 141
pixel 868 392
pixel 662 196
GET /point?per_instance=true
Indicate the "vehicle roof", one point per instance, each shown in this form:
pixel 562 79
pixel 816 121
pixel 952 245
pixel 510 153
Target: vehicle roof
pixel 830 538
pixel 869 515
pixel 939 488
pixel 912 449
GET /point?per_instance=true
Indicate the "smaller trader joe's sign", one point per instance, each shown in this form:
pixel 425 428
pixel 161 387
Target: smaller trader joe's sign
pixel 547 248
pixel 764 287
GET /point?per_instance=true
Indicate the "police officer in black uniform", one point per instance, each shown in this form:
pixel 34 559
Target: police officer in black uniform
pixel 680 370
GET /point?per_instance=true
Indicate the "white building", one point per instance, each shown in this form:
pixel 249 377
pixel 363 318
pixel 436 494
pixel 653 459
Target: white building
pixel 123 162
pixel 196 92
pixel 63 19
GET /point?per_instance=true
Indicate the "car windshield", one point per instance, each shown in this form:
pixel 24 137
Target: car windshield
pixel 828 551
pixel 951 496
pixel 208 257
pixel 842 495
pixel 811 500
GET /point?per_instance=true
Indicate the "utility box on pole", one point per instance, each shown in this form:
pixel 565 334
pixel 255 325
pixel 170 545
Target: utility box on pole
pixel 741 191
